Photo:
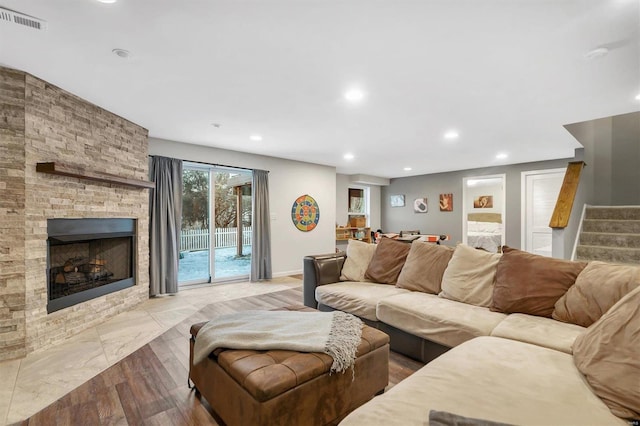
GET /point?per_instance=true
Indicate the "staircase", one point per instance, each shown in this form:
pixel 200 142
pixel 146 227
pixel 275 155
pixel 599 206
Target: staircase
pixel 610 234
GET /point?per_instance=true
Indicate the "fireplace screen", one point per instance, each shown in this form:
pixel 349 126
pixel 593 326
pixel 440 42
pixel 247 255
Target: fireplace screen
pixel 88 258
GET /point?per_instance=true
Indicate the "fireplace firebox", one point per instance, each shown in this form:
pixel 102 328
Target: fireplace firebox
pixel 88 258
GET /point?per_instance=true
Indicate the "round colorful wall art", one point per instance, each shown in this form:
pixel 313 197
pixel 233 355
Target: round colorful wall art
pixel 305 213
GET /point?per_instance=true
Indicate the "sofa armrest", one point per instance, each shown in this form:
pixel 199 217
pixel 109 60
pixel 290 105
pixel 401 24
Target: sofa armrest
pixel 319 270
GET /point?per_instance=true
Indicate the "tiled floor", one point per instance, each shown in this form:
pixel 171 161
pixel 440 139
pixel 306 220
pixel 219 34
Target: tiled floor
pixel 27 385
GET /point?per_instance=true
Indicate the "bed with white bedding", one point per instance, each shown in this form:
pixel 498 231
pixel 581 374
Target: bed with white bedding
pixel 484 230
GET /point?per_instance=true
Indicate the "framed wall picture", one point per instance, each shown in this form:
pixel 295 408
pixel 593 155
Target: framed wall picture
pixel 483 202
pixel 397 200
pixel 420 205
pixel 446 202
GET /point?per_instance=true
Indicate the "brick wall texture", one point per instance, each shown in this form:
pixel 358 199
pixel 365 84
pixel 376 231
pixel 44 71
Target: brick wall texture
pixel 42 123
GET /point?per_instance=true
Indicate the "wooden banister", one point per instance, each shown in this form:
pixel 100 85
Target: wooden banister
pixel 564 204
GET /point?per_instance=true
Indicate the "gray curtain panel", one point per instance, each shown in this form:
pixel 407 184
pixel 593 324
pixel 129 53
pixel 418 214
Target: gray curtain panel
pixel 166 220
pixel 261 236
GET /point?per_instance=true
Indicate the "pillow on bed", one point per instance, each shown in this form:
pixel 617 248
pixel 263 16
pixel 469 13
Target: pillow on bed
pixel 359 254
pixel 531 284
pixel 424 267
pixel 470 276
pixel 387 261
pixel 598 287
pixel 486 227
pixel 607 354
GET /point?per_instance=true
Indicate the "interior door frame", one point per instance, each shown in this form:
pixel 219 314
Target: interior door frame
pixel 523 199
pixel 466 209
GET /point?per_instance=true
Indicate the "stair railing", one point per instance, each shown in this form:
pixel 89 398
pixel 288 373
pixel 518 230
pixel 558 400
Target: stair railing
pixel 577 239
pixel 567 195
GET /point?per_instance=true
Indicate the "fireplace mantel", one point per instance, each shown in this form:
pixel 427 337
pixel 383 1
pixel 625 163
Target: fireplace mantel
pixel 58 168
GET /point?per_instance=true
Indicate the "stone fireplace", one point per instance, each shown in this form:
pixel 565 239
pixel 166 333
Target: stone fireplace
pixel 41 123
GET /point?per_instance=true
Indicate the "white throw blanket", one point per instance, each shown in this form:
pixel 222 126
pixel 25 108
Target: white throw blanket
pixel 337 334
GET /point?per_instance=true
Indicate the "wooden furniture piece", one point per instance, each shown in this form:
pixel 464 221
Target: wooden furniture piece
pixel 274 387
pixel 353 233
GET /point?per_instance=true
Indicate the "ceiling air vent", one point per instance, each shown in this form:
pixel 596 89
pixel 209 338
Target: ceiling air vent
pixel 18 18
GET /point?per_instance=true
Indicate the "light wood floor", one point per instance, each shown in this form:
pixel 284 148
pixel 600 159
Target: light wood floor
pixel 150 386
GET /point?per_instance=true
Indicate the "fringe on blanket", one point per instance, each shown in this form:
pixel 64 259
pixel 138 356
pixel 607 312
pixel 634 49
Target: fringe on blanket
pixel 343 341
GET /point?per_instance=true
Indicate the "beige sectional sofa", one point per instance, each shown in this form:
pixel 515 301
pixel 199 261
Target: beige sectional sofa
pixel 498 332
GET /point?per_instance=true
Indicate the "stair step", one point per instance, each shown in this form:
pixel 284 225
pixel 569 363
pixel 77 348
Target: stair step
pixel 608 254
pixel 619 213
pixel 611 226
pixel 610 240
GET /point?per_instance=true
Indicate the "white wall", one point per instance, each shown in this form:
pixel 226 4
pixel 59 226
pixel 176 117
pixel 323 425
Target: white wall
pixel 287 181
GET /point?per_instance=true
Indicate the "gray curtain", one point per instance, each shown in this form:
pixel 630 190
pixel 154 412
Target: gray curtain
pixel 164 229
pixel 261 236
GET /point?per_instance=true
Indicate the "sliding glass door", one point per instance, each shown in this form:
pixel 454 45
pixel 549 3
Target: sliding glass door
pixel 215 243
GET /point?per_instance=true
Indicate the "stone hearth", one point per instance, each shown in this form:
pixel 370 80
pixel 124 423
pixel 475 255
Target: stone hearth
pixel 41 123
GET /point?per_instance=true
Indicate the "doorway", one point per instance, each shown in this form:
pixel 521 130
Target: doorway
pixel 215 240
pixel 483 212
pixel 540 189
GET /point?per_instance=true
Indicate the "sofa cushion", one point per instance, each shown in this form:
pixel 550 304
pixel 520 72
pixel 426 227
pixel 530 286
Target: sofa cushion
pixel 387 261
pixel 440 320
pixel 598 287
pixel 359 255
pixel 607 353
pixel 356 298
pixel 495 379
pixel 539 331
pixel 531 284
pixel 470 276
pixel 424 267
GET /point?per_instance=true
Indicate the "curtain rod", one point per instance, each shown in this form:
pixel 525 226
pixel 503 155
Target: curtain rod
pixel 213 164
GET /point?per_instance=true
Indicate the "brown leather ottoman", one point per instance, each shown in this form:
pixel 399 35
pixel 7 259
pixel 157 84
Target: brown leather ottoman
pixel 289 388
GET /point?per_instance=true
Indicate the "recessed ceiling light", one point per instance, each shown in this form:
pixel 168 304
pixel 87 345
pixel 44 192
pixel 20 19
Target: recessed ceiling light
pixel 348 156
pixel 256 138
pixel 107 1
pixel 354 95
pixel 451 134
pixel 125 54
pixel 407 169
pixel 596 53
pixel 501 156
pixel 638 97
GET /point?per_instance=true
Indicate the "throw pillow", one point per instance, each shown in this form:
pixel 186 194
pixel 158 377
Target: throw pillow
pixel 598 287
pixel 387 261
pixel 424 267
pixel 531 284
pixel 470 276
pixel 607 354
pixel 359 254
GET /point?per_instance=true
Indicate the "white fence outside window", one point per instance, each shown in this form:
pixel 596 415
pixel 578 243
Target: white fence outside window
pixel 198 239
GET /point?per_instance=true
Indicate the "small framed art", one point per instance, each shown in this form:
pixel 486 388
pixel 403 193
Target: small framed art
pixel 420 205
pixel 397 200
pixel 483 202
pixel 446 202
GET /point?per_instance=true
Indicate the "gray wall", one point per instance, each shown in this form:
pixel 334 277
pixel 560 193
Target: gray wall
pixel 612 155
pixel 395 219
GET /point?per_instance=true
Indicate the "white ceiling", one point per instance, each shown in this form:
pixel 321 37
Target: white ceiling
pixel 506 74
